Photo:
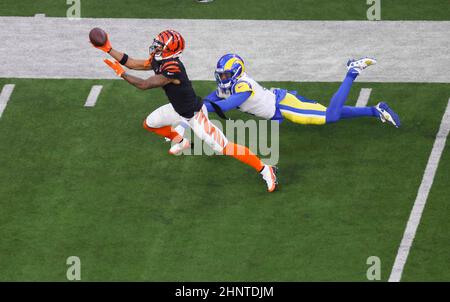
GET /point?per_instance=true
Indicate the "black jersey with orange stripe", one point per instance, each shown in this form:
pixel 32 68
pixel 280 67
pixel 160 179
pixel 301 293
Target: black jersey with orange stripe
pixel 182 96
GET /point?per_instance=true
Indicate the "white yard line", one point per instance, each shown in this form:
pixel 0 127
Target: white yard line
pixel 93 96
pixel 312 51
pixel 363 98
pixel 4 96
pixel 39 16
pixel 421 199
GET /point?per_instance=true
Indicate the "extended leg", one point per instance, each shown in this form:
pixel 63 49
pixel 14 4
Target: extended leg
pixel 352 112
pixel 336 109
pixel 215 138
pixel 300 110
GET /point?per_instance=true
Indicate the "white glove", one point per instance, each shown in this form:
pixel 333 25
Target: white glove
pixel 223 93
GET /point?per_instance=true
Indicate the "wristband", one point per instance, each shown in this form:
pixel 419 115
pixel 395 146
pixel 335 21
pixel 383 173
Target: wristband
pixel 124 59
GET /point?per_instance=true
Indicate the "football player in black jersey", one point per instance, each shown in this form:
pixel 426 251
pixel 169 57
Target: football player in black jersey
pixel 184 107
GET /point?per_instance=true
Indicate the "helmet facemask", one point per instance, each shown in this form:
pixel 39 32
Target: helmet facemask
pixel 226 78
pixel 167 45
pixel 156 50
pixel 223 78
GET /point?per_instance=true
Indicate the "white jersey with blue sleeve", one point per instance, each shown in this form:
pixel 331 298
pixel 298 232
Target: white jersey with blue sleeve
pixel 262 101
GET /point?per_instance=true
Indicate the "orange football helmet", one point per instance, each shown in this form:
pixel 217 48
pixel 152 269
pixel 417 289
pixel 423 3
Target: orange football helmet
pixel 167 44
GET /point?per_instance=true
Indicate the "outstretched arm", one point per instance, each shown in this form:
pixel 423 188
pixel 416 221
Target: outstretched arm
pixel 124 59
pixel 155 81
pixel 136 64
pixel 227 104
pixel 212 97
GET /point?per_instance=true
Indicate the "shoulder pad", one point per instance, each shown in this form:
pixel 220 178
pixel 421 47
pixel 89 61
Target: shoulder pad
pixel 170 68
pixel 241 86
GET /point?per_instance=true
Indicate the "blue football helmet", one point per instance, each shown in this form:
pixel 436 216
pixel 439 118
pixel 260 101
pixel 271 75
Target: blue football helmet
pixel 229 69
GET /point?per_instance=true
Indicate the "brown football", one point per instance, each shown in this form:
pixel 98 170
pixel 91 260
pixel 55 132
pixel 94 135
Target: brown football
pixel 97 36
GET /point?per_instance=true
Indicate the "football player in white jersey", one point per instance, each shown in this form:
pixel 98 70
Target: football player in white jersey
pixel 236 89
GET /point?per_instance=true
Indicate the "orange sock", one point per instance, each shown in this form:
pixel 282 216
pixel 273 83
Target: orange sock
pixel 166 131
pixel 244 155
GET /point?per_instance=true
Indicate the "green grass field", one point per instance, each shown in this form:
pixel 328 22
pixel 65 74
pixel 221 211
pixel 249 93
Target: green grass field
pixel 91 182
pixel 235 9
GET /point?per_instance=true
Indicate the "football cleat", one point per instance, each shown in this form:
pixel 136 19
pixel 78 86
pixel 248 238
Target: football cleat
pixel 179 147
pixel 269 174
pixel 387 114
pixel 359 65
